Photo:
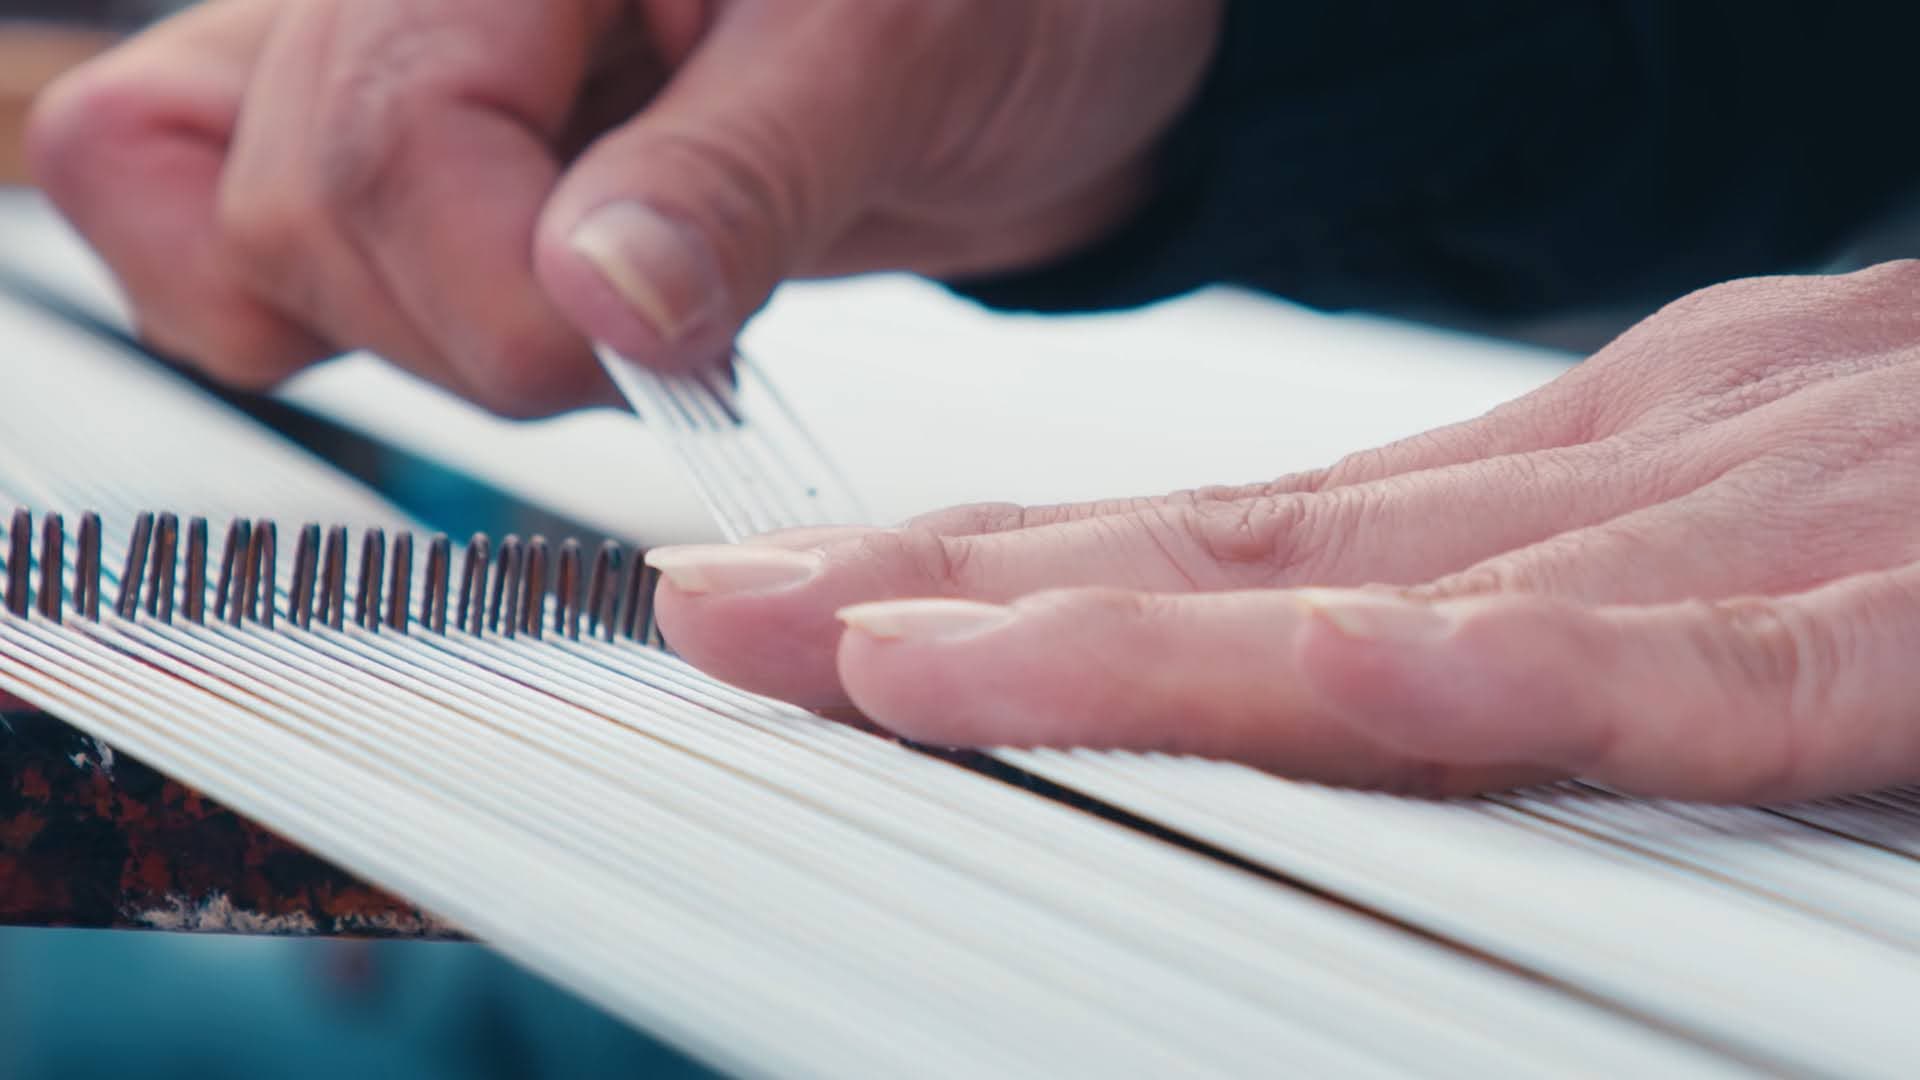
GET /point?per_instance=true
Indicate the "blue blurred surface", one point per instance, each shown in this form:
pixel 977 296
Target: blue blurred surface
pixel 84 1004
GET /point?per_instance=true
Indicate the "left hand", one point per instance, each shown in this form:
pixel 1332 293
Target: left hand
pixel 1686 568
pixel 472 188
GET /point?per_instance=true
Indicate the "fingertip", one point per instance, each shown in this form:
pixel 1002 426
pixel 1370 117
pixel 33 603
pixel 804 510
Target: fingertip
pixel 643 286
pixel 1044 671
pixel 57 130
pixel 90 111
pixel 769 648
pixel 909 689
pixel 762 615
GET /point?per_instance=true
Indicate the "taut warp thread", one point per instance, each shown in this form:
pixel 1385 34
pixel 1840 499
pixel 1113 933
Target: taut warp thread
pixel 688 855
pixel 781 894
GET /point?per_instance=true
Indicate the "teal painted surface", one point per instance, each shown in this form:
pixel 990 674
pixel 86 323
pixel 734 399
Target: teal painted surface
pixel 80 1005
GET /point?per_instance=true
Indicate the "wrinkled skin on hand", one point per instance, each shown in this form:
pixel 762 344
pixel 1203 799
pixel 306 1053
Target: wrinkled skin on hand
pixel 1685 568
pixel 278 181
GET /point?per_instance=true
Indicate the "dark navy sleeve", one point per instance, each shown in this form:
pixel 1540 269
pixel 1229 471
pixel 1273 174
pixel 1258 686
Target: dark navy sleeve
pixel 1509 159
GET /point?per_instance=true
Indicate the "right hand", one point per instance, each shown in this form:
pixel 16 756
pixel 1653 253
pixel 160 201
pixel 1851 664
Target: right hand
pixel 472 188
pixel 1686 568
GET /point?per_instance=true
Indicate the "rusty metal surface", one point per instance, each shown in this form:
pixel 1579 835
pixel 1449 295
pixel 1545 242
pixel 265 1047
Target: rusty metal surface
pixel 89 838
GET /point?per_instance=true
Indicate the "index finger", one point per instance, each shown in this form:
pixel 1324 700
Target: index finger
pixel 418 138
pixel 1740 701
pixel 1748 700
pixel 131 148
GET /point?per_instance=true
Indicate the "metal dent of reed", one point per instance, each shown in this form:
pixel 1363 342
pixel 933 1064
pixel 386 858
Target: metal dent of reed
pixel 512 566
pixel 233 606
pixel 135 571
pixel 263 573
pixel 636 612
pixel 400 584
pixel 20 563
pixel 53 561
pixel 473 584
pixel 86 568
pixel 366 594
pixel 229 565
pixel 508 592
pixel 193 600
pixel 162 564
pixel 306 577
pixel 333 580
pixel 533 588
pixel 439 572
pixel 603 590
pixel 566 591
pixel 19 549
pixel 504 569
pixel 230 599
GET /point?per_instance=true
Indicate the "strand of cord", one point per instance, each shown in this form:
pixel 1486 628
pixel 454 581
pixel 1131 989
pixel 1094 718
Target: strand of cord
pixel 519 589
pixel 753 477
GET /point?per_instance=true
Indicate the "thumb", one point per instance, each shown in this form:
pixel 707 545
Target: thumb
pixel 770 139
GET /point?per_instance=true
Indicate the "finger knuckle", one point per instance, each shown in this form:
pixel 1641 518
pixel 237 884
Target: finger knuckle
pixel 1260 540
pixel 89 112
pixel 751 180
pixel 1770 650
pixel 273 214
pixel 359 165
pixel 273 223
pixel 935 561
pixel 1245 537
pixel 269 233
pixel 1787 663
pixel 374 96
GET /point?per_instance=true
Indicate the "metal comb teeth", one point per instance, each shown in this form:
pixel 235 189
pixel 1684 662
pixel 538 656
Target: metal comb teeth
pixel 516 588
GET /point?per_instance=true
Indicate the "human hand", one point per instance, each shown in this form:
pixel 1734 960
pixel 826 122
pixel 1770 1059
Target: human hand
pixel 1685 568
pixel 470 186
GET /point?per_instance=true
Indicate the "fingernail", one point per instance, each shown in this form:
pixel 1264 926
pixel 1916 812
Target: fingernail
pixel 1371 616
pixel 925 620
pixel 730 568
pixel 662 268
